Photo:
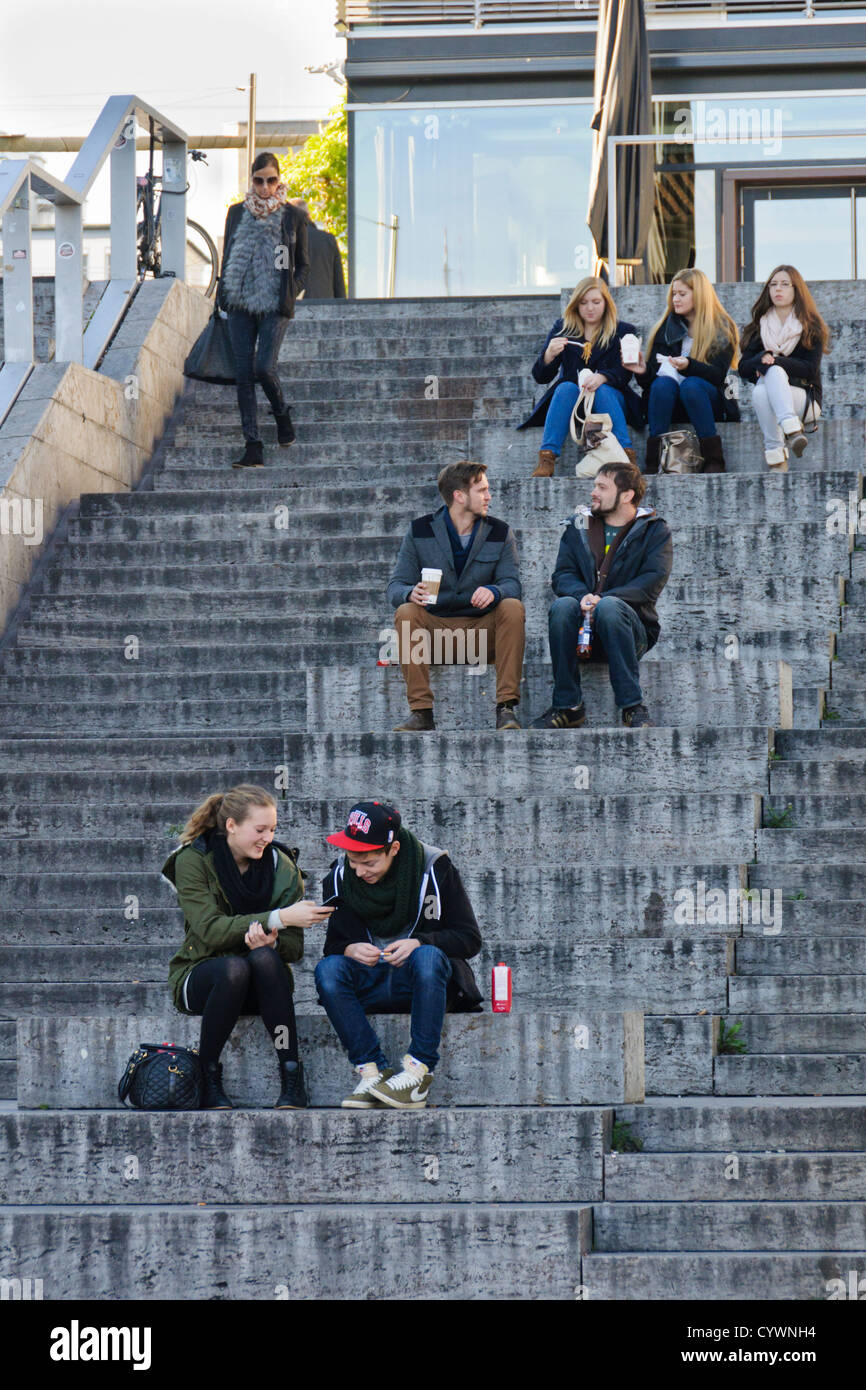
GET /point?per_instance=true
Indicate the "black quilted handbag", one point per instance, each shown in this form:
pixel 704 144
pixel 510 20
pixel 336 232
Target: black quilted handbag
pixel 160 1076
pixel 211 357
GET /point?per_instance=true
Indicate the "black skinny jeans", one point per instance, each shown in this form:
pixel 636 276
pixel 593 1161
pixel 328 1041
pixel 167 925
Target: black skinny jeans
pixel 223 988
pixel 256 361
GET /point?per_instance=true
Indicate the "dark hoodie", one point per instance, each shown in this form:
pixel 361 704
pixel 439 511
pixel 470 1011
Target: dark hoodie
pixel 639 570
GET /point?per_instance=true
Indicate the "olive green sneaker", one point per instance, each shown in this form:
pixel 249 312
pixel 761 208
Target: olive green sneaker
pixel 361 1099
pixel 407 1090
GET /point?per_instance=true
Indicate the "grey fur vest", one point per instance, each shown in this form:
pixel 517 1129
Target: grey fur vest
pixel 251 279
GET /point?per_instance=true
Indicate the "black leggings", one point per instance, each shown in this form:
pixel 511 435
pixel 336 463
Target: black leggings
pixel 225 987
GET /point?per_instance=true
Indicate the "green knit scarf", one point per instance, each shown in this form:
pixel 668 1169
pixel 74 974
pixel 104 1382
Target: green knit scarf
pixel 390 905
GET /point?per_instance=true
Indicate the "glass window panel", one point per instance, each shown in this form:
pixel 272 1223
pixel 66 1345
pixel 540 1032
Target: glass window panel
pixel 861 236
pixel 811 232
pixel 489 200
pixel 758 130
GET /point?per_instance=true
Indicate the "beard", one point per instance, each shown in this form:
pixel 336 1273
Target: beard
pixel 598 510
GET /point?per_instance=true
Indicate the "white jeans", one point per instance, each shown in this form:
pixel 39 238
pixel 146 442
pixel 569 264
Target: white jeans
pixel 775 400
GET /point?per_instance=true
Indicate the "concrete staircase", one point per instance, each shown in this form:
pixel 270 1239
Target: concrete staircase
pixel 216 626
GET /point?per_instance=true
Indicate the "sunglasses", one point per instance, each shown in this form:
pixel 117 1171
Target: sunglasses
pixel 258 179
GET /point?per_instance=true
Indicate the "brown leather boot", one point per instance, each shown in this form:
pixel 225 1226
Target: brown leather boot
pixel 630 455
pixel 653 450
pixel 545 466
pixel 420 721
pixel 714 459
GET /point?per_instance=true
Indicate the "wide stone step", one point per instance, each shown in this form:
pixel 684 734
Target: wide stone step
pixel 750 1177
pixel 838 774
pixel 812 845
pixel 681 694
pixel 721 1277
pixel 816 880
pixel 667 828
pixel 319 387
pixel 791 1074
pixel 822 811
pixel 748 1125
pixel 465 1154
pixel 658 976
pixel 830 746
pixel 301 1252
pixel 330 764
pixel 70 1062
pixel 842 955
pixel 789 994
pixel 626 900
pixel 814 1033
pixel 732 1225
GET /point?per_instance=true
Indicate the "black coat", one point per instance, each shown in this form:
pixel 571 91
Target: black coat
pixel 803 367
pixel 569 363
pixel 668 341
pixel 639 569
pixel 325 280
pixel 445 918
pixel 294 239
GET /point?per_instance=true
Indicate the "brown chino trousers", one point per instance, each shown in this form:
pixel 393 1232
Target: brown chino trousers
pixel 424 637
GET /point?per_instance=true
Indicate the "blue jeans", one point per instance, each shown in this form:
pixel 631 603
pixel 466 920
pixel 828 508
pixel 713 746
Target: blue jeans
pixel 698 400
pixel 348 991
pixel 256 362
pixel 618 634
pixel 608 401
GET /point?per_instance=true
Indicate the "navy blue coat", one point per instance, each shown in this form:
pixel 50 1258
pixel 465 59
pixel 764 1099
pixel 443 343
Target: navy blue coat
pixel 569 363
pixel 668 341
pixel 639 570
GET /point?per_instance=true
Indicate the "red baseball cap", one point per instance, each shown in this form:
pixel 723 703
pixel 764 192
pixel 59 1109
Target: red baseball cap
pixel 371 825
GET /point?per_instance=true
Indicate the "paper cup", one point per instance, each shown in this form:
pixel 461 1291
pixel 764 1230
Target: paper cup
pixel 431 579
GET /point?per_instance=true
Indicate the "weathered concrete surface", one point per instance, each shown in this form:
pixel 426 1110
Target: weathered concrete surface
pixel 440 1251
pixel 826 1074
pixel 735 1226
pixel 515 1059
pixel 718 1276
pixel 750 1125
pixel 73 430
pixel 508 1154
pixel 764 1177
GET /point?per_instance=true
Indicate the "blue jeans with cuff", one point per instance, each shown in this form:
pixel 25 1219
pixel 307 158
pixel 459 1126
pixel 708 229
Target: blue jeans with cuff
pixel 617 635
pixel 256 361
pixel 608 401
pixel 349 990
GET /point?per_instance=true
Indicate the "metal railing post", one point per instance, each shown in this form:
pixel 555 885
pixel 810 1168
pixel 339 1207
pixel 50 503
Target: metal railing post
pixel 123 204
pixel 18 276
pixel 68 283
pixel 174 208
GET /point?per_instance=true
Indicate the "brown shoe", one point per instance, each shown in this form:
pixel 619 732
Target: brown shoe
pixel 630 455
pixel 420 721
pixel 545 466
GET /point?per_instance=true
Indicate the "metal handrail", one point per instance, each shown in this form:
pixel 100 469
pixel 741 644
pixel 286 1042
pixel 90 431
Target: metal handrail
pixel 112 135
pixel 353 14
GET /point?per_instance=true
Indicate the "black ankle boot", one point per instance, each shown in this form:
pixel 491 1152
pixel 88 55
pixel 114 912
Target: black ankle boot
pixel 292 1095
pixel 213 1096
pixel 653 449
pixel 711 451
pixel 285 428
pixel 254 455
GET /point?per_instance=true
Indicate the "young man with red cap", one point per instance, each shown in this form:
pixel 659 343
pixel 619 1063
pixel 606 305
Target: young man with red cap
pixel 398 942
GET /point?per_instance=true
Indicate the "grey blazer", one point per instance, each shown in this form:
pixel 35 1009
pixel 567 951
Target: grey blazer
pixel 492 561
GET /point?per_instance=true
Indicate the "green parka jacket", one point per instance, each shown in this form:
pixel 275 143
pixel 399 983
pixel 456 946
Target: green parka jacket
pixel 212 929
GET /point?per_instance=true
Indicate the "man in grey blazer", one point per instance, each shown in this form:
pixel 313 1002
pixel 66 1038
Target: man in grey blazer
pixel 477 614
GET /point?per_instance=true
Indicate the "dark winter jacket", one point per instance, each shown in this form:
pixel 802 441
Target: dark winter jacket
pixel 444 918
pixel 668 341
pixel 570 363
pixel 325 279
pixel 293 274
pixel 212 928
pixel 491 562
pixel 803 367
pixel 639 570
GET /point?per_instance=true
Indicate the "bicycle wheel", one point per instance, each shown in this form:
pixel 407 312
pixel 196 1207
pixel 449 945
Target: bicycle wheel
pixel 202 258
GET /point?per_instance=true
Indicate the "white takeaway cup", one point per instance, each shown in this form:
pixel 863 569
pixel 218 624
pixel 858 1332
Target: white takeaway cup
pixel 431 579
pixel 630 347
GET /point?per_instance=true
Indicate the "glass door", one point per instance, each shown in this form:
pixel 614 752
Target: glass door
pixel 819 227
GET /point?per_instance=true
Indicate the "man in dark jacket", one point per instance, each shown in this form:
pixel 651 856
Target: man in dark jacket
pixel 478 601
pixel 398 942
pixel 614 560
pixel 325 277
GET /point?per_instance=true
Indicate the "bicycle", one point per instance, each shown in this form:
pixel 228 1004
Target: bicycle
pixel 202 257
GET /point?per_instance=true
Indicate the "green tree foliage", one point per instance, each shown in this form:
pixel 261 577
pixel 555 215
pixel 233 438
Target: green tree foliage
pixel 318 175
